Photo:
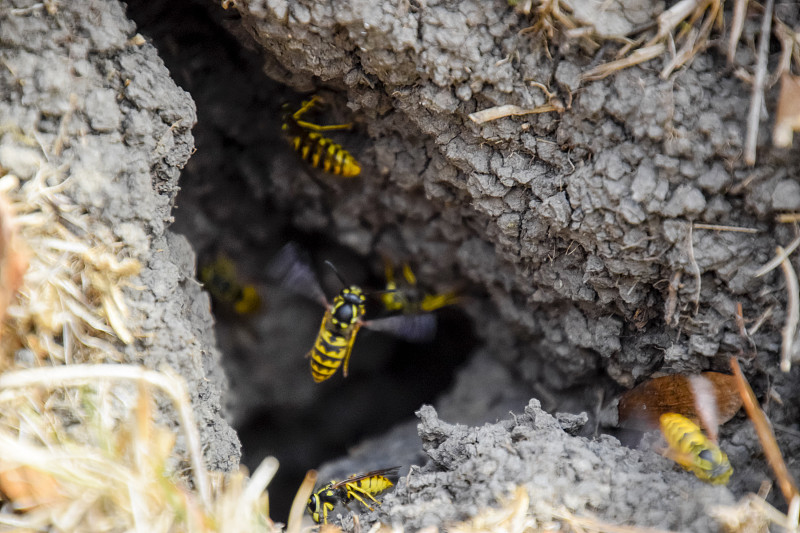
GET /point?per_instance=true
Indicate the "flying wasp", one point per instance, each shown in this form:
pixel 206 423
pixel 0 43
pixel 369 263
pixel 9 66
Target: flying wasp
pixel 691 449
pixel 222 282
pixel 409 298
pixel 343 317
pixel 319 151
pixel 356 487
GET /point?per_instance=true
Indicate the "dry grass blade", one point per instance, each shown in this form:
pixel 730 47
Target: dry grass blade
pixel 550 19
pixel 594 525
pixel 779 258
pixel 765 434
pixel 516 515
pixel 790 49
pixel 686 52
pixel 793 313
pixel 641 55
pixel 746 335
pixel 502 111
pixel 793 514
pixel 695 270
pixel 696 43
pixel 757 97
pixel 512 516
pixel 787 118
pixel 669 19
pixel 718 227
pixel 258 483
pixel 70 304
pixel 672 298
pixel 737 25
pixel 173 387
pixel 751 514
pixel 111 468
pixel 300 501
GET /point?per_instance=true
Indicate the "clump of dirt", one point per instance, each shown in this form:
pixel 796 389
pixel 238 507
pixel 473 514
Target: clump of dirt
pixel 470 468
pixel 114 130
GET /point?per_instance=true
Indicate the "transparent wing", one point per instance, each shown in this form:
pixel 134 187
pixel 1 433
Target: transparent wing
pixel 412 328
pixel 387 472
pixel 292 271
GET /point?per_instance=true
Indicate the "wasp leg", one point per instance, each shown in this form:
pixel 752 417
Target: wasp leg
pixel 431 302
pixel 310 126
pixel 409 275
pixel 391 298
pixel 350 348
pixel 308 104
pixel 351 493
pixel 388 271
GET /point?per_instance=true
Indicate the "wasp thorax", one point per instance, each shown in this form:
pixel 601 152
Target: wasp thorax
pixel 348 307
pixel 353 295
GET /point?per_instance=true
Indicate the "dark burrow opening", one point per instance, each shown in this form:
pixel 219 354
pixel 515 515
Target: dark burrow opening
pixel 225 208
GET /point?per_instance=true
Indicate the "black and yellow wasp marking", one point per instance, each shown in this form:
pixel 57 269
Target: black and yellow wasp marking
pixel 691 449
pixel 409 298
pixel 319 151
pixel 337 334
pixel 343 317
pixel 356 487
pixel 221 281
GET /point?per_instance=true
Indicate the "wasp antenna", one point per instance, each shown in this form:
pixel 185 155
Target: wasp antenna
pixel 338 275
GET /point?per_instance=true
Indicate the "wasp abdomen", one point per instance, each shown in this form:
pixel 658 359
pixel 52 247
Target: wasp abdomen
pixel 374 484
pixel 329 350
pixel 322 153
pixel 317 149
pixel 691 449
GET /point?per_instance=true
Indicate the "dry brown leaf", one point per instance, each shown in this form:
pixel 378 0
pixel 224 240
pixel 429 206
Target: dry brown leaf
pixel 28 488
pixel 641 407
pixel 13 257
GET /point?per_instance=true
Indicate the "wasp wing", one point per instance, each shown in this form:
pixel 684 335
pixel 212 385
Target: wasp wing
pixel 391 472
pixel 412 328
pixel 292 271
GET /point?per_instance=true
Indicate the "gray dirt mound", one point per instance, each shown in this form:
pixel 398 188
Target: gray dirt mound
pixel 471 468
pixel 573 223
pixel 101 103
pixel 568 233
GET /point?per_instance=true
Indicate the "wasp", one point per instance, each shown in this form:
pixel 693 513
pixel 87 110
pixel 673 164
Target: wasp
pixel 221 281
pixel 410 299
pixel 691 449
pixel 356 487
pixel 344 316
pixel 337 333
pixel 318 150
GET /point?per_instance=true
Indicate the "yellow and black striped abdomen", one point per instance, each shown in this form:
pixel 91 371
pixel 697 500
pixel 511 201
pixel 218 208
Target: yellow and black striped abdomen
pixel 221 281
pixel 314 147
pixel 332 347
pixel 372 485
pixel 691 449
pixel 322 153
